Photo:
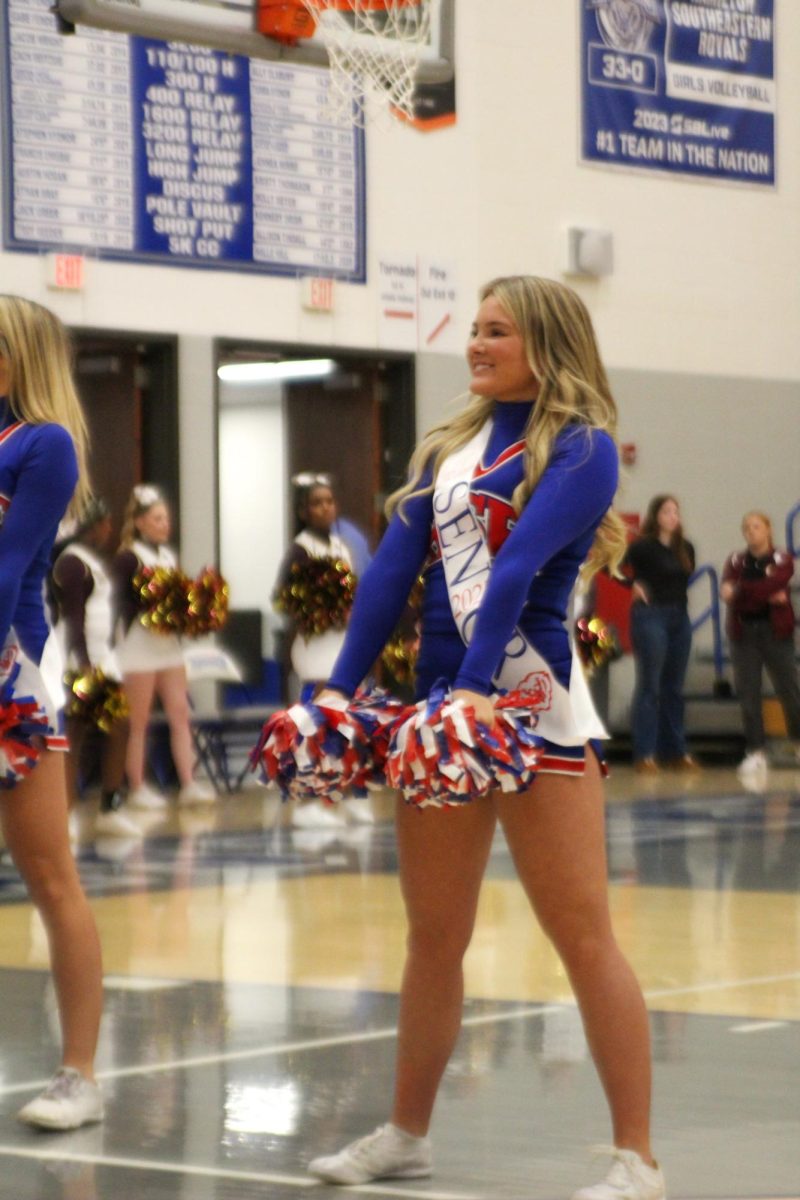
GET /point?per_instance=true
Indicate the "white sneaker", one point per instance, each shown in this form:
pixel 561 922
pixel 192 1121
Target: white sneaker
pixel 754 763
pixel 388 1153
pixel 630 1178
pixel 147 799
pixel 68 1101
pixel 313 814
pixel 116 823
pixel 359 811
pixel 196 793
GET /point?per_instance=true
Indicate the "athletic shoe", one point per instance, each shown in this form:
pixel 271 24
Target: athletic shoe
pixel 147 799
pixel 630 1178
pixel 116 823
pixel 388 1153
pixel 754 763
pixel 359 811
pixel 196 793
pixel 685 764
pixel 313 814
pixel 646 766
pixel 69 1101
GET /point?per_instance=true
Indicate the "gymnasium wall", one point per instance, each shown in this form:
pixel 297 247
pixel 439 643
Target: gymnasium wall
pixel 698 322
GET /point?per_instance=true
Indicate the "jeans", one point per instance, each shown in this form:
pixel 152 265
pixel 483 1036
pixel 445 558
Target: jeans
pixel 661 636
pixel 759 648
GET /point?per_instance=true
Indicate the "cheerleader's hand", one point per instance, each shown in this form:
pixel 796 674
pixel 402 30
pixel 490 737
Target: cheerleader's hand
pixel 329 696
pixel 481 705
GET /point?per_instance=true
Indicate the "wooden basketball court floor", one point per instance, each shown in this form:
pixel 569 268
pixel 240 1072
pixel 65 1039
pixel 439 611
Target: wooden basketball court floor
pixel 251 1000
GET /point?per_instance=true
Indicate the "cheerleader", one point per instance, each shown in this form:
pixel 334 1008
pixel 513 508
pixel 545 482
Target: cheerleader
pixel 82 591
pixel 505 502
pixel 152 661
pixel 312 655
pixel 42 471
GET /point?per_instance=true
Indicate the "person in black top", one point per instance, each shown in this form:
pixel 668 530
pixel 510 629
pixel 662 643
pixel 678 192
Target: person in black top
pixel 660 563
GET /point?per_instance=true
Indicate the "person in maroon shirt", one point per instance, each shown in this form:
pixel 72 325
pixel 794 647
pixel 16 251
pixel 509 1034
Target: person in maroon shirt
pixel 760 626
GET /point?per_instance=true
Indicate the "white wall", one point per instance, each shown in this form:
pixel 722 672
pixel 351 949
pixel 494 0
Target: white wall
pixel 705 282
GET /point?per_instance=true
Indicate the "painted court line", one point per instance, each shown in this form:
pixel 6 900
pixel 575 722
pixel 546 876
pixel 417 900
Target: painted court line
pixel 758 1026
pixel 182 1168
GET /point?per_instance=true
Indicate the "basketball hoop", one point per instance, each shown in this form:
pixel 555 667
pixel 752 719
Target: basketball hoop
pixel 373 46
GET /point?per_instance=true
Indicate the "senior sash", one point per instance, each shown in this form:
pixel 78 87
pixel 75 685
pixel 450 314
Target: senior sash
pixel 565 715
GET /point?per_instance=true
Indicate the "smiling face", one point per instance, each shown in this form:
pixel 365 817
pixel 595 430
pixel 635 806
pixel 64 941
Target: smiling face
pixel 498 364
pixel 153 525
pixel 668 517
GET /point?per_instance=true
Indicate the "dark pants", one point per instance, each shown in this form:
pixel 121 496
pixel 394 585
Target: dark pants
pixel 661 635
pixel 759 648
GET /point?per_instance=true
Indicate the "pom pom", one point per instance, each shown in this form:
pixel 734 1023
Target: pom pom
pixel 318 595
pixel 596 643
pixel 171 602
pixel 440 755
pixel 22 719
pixel 95 699
pixel 326 751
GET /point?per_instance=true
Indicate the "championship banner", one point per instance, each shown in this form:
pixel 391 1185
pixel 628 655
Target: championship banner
pixel 685 86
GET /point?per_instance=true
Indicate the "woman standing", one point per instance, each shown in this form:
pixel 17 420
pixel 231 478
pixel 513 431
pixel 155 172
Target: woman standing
pixel 313 654
pixel 504 503
pixel 42 470
pixel 152 661
pixel 755 586
pixel 83 593
pixel 660 561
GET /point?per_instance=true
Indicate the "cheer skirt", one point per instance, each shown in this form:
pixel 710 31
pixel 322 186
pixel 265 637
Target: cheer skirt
pixel 143 651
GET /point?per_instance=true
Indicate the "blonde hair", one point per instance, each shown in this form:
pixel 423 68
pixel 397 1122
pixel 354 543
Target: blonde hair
pixel 762 516
pixel 143 497
pixel 562 352
pixel 41 390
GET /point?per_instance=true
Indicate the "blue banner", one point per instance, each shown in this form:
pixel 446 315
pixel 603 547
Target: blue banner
pixel 686 86
pixel 127 147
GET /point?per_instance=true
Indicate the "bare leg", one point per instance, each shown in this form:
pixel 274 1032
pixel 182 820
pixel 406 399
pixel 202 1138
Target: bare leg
pixel 140 688
pixel 76 735
pixel 34 819
pixel 172 690
pixel 443 855
pixel 556 836
pixel 112 762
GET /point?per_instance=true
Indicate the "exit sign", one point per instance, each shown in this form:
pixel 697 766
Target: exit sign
pixel 65 272
pixel 318 293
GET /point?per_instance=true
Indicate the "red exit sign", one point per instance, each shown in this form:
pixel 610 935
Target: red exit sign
pixel 67 272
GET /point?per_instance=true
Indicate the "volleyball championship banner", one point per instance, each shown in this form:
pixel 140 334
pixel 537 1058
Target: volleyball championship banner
pixel 684 86
pixel 131 148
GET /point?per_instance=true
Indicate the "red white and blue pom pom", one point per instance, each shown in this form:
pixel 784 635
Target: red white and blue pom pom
pixel 325 752
pixel 440 755
pixel 21 720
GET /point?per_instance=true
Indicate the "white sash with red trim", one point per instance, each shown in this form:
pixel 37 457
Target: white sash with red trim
pixel 565 715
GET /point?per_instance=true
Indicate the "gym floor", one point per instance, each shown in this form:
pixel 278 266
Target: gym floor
pixel 252 975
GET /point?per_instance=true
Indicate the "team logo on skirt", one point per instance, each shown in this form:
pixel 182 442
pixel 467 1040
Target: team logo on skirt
pixel 538 690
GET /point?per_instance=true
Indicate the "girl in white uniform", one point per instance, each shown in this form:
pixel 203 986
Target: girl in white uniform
pixel 152 661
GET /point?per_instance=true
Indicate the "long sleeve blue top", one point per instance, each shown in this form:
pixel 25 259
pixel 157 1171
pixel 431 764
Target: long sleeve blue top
pixel 536 557
pixel 38 474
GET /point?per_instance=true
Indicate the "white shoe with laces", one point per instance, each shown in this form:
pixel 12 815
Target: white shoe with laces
pixel 387 1153
pixel 116 823
pixel 196 793
pixel 630 1178
pixel 69 1101
pixel 147 799
pixel 754 763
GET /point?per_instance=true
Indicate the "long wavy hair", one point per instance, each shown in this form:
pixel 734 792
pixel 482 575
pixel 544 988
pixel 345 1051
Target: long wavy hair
pixel 677 540
pixel 561 349
pixel 41 389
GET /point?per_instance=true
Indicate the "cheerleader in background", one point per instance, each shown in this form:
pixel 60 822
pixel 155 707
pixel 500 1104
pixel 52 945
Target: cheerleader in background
pixel 312 655
pixel 152 661
pixel 42 469
pixel 83 593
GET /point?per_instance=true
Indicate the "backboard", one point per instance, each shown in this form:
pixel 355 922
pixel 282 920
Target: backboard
pixel 231 25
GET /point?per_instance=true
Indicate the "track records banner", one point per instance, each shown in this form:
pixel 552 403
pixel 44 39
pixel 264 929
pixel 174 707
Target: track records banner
pixel 686 86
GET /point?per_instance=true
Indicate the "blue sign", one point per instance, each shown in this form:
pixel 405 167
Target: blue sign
pixel 131 148
pixel 686 86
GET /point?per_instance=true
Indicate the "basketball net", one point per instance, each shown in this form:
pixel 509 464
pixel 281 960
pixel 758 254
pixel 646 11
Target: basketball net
pixel 356 34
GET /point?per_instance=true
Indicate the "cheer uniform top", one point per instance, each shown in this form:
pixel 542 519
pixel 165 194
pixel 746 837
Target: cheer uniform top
pixel 84 590
pixel 138 648
pixel 38 475
pixel 536 556
pixel 313 657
